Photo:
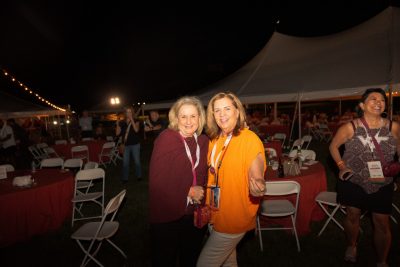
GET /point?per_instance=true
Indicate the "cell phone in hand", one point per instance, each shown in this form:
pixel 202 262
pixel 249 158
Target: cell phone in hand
pixel 347 175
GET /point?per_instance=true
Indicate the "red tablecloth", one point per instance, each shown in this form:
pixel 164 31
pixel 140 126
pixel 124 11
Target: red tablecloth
pixel 312 181
pixel 26 212
pixel 64 150
pixel 270 130
pixel 276 144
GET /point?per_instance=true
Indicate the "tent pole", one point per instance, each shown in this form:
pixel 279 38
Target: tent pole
pixel 275 111
pixel 292 124
pixel 299 99
pixel 265 110
pixel 340 107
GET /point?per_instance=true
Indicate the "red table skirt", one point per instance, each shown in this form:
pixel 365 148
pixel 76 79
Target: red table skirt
pixel 26 212
pixel 270 130
pixel 94 146
pixel 312 181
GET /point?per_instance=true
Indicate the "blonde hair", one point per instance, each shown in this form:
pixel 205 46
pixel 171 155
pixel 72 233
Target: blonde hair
pixel 213 129
pixel 186 100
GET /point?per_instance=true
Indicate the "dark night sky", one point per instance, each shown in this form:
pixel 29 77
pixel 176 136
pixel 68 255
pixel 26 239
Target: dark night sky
pixel 83 52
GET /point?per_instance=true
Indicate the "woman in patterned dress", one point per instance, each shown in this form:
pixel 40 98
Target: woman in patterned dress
pixel 362 185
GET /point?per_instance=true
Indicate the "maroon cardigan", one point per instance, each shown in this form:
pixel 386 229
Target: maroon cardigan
pixel 171 175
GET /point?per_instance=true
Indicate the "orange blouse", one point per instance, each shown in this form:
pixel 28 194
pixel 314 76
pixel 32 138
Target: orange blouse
pixel 238 209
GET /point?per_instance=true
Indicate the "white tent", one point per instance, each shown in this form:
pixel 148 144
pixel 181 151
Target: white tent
pixel 342 64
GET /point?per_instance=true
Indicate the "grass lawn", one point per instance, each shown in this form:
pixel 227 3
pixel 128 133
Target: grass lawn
pixel 58 249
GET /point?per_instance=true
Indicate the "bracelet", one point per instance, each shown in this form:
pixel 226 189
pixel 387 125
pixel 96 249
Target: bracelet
pixel 340 163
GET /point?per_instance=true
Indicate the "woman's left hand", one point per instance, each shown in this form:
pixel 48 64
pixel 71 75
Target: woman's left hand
pixel 257 187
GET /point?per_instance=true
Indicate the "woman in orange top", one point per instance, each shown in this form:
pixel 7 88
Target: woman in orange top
pixel 235 180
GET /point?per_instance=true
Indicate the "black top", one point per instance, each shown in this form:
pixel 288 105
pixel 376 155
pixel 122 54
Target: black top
pixel 159 122
pixel 133 137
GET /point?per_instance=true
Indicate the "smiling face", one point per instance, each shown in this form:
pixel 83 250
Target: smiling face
pixel 226 115
pixel 188 120
pixel 374 104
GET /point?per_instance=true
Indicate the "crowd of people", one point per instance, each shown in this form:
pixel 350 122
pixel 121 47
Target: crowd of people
pixel 228 175
pixel 215 158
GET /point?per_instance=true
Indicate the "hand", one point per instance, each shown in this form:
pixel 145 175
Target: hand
pixel 345 173
pixel 196 193
pixel 257 187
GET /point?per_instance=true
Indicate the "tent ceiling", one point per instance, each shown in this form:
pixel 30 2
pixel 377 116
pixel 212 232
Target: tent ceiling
pixel 342 64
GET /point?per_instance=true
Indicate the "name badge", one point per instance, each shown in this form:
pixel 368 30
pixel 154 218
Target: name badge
pixel 215 196
pixel 375 172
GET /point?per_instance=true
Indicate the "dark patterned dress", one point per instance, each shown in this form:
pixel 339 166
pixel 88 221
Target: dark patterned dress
pixel 360 149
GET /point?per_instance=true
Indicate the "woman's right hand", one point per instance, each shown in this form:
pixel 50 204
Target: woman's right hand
pixel 196 193
pixel 345 173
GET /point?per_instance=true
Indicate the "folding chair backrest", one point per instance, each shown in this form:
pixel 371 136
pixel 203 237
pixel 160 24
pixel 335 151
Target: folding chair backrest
pixel 114 204
pixel 282 188
pixel 51 163
pixel 61 142
pixel 80 151
pixel 9 167
pixel 73 163
pixel 109 138
pixel 91 165
pixel 271 151
pixel 108 145
pixel 90 174
pixel 87 139
pixel 307 138
pixel 307 153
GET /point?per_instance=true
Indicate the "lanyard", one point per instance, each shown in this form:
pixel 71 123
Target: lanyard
pixel 214 163
pixel 189 155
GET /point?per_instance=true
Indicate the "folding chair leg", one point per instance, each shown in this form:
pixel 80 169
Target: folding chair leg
pixel 117 248
pixel 259 233
pixel 89 256
pixel 295 233
pixel 330 217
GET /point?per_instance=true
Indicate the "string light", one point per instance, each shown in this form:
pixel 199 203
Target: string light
pixel 26 89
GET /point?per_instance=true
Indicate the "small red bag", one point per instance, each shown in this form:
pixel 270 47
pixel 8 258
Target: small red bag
pixel 202 215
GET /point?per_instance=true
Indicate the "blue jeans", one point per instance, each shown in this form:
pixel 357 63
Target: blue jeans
pixel 131 151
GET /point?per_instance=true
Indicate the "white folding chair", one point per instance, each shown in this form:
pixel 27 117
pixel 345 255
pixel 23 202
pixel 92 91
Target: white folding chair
pixel 328 198
pixel 109 138
pixel 97 232
pixel 60 142
pixel 106 154
pixel 80 197
pixel 80 152
pixel 281 137
pixel 87 139
pixel 324 132
pixel 115 152
pixel 37 156
pixel 41 147
pixel 90 165
pixel 50 152
pixel 306 140
pixel 73 163
pixel 297 143
pixel 52 163
pixel 277 208
pixel 271 152
pixel 307 153
pixel 9 167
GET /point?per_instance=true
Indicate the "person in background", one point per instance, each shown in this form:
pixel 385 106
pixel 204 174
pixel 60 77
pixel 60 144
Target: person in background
pixel 128 130
pixel 179 158
pixel 357 188
pixel 99 133
pixel 155 125
pixel 86 125
pixel 8 144
pixel 235 179
pixel 22 143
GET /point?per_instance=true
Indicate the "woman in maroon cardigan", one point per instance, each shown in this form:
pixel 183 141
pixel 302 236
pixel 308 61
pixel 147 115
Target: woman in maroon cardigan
pixel 178 174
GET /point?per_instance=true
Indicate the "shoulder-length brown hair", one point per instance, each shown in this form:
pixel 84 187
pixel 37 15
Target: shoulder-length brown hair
pixel 212 127
pixel 186 100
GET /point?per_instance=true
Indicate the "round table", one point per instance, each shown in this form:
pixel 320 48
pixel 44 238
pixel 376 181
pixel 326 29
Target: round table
pixel 312 181
pixel 42 208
